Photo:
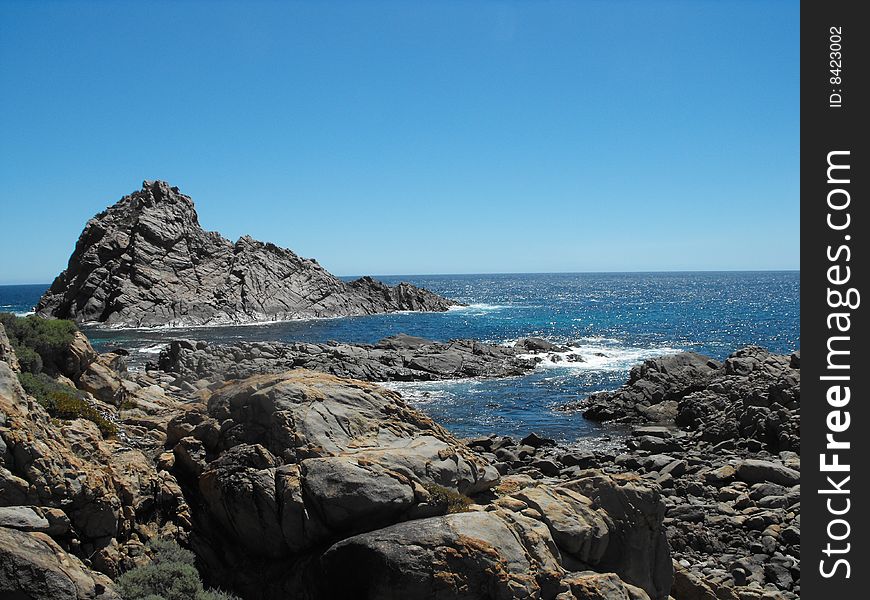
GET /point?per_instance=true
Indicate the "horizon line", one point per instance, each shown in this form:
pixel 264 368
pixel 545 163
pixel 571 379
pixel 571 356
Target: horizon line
pixel 659 271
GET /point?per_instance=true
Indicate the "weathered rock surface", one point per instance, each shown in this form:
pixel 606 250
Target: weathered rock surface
pixel 317 457
pixel 77 493
pixel 145 261
pixel 397 358
pixel 281 467
pixel 652 389
pixel 727 465
pixel 546 540
pixel 7 354
pixel 753 395
pixel 35 567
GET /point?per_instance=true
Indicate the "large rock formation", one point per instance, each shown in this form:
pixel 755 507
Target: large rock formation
pixel 314 486
pixel 145 261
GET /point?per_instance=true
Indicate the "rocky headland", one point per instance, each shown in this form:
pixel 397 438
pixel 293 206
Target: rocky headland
pixel 145 261
pixel 304 484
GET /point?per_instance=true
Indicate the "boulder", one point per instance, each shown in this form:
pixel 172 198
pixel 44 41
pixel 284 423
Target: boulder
pixel 23 518
pixel 589 585
pixel 757 471
pixel 34 567
pixel 468 556
pixel 104 378
pixel 638 547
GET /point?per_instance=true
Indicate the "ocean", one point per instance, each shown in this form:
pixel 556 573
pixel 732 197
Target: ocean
pixel 614 320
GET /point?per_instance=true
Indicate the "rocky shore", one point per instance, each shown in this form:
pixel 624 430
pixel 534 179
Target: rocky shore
pixel 145 262
pixel 397 358
pixel 302 483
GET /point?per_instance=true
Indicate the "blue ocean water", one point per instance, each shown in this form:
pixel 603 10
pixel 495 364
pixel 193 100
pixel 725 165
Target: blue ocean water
pixel 615 320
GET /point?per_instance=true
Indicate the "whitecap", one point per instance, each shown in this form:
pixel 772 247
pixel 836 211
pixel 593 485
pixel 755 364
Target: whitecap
pixel 593 357
pixel 155 349
pixel 481 307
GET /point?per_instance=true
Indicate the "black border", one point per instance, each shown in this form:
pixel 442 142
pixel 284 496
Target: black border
pixel 825 129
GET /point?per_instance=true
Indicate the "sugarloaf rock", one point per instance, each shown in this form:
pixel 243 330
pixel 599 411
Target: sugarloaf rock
pixel 146 261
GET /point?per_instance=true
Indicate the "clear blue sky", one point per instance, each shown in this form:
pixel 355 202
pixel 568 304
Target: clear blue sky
pixel 407 138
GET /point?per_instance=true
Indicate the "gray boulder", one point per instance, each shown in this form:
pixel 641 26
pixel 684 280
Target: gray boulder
pixel 466 556
pixel 758 471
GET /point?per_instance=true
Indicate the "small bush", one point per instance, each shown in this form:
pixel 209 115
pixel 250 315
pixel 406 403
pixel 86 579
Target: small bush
pixel 167 550
pixel 29 360
pixel 171 581
pixel 455 501
pixel 215 595
pixel 171 575
pixel 49 338
pixel 64 402
pixel 70 406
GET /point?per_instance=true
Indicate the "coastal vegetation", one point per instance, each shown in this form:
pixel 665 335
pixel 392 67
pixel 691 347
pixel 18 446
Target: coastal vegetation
pixel 41 346
pixel 171 575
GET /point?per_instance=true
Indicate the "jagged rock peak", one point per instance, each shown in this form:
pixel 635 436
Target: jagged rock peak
pixel 146 261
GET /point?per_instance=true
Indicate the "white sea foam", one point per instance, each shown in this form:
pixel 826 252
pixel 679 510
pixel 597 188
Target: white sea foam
pixel 25 314
pixel 479 307
pixel 155 349
pixel 422 392
pixel 182 325
pixel 597 357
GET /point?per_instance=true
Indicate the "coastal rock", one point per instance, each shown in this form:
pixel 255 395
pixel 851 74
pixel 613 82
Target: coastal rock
pixel 638 547
pixel 35 567
pixel 304 461
pixel 398 358
pixel 7 354
pixel 657 381
pixel 104 378
pixel 302 458
pixel 753 395
pixel 63 478
pixel 757 471
pixel 514 549
pixel 468 555
pixel 589 585
pixel 536 345
pixel 145 261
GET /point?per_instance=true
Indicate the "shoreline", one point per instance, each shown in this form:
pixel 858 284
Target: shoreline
pixel 713 508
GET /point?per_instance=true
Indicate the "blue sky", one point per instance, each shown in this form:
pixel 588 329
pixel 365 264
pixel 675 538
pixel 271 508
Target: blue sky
pixel 411 138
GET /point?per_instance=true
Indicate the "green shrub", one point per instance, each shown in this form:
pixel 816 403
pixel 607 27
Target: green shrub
pixel 215 595
pixel 167 550
pixel 49 338
pixel 171 575
pixel 454 501
pixel 70 406
pixel 64 402
pixel 29 359
pixel 171 581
